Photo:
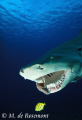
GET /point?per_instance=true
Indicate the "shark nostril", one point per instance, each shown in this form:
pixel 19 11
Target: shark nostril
pixel 22 71
pixel 42 68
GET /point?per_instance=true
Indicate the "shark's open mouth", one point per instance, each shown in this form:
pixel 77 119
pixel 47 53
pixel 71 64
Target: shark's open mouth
pixel 51 82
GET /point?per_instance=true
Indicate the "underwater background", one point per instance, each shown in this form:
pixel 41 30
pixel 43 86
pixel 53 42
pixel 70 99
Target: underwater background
pixel 28 29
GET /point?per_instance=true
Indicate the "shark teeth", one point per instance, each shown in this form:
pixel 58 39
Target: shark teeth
pixel 52 82
pixel 55 86
pixel 43 79
pixel 51 85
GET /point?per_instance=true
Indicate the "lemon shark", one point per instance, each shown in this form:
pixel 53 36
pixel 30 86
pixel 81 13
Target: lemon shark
pixel 58 67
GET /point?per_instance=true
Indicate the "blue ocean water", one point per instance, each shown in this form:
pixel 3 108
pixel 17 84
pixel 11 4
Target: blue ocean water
pixel 28 29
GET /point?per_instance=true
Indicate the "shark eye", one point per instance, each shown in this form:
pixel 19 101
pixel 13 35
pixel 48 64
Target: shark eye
pixel 52 57
pixel 41 67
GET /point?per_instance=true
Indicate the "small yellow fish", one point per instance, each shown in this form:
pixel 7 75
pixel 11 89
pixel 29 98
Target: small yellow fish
pixel 39 106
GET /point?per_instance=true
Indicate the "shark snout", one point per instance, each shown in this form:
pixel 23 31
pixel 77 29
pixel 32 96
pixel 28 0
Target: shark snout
pixel 32 72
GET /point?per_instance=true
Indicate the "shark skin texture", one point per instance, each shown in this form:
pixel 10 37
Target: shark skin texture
pixel 58 67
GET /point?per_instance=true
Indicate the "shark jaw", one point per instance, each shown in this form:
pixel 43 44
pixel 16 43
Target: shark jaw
pixel 52 82
pixel 53 75
pixel 49 83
